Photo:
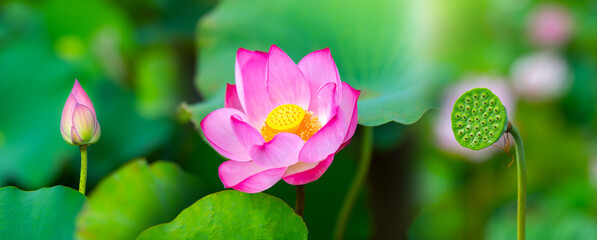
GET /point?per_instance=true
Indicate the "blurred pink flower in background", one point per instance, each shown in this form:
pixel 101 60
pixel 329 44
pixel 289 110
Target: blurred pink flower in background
pixel 79 125
pixel 550 25
pixel 281 120
pixel 540 76
pixel 443 126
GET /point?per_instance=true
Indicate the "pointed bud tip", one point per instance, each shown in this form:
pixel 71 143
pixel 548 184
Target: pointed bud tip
pixel 77 86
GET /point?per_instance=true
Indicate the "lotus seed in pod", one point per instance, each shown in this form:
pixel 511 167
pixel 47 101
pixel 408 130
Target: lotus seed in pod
pixel 478 119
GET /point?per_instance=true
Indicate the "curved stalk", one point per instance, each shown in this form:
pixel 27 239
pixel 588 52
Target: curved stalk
pixel 83 180
pixel 522 183
pixel 357 183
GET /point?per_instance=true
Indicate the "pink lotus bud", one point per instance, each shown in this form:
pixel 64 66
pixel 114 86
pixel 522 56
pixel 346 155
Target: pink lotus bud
pixel 79 125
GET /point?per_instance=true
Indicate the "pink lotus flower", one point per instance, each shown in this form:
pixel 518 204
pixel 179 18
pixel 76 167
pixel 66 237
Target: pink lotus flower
pixel 79 125
pixel 550 25
pixel 281 120
pixel 541 76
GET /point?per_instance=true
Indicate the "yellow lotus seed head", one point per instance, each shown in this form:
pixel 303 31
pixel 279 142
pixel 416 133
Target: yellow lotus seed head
pixel 285 117
pixel 290 118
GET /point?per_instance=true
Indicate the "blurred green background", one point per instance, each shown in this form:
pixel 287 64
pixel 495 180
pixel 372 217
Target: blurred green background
pixel 139 60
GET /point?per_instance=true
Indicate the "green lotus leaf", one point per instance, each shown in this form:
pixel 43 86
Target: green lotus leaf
pixel 233 215
pixel 47 213
pixel 136 197
pixel 478 119
pixel 377 47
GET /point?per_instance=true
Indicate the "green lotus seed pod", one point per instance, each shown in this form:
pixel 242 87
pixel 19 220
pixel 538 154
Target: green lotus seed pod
pixel 478 119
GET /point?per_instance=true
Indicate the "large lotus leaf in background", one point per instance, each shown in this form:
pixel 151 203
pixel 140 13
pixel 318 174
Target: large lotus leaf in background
pixel 32 148
pixel 233 215
pixel 33 93
pixel 23 161
pixel 136 197
pixel 380 47
pixel 47 213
